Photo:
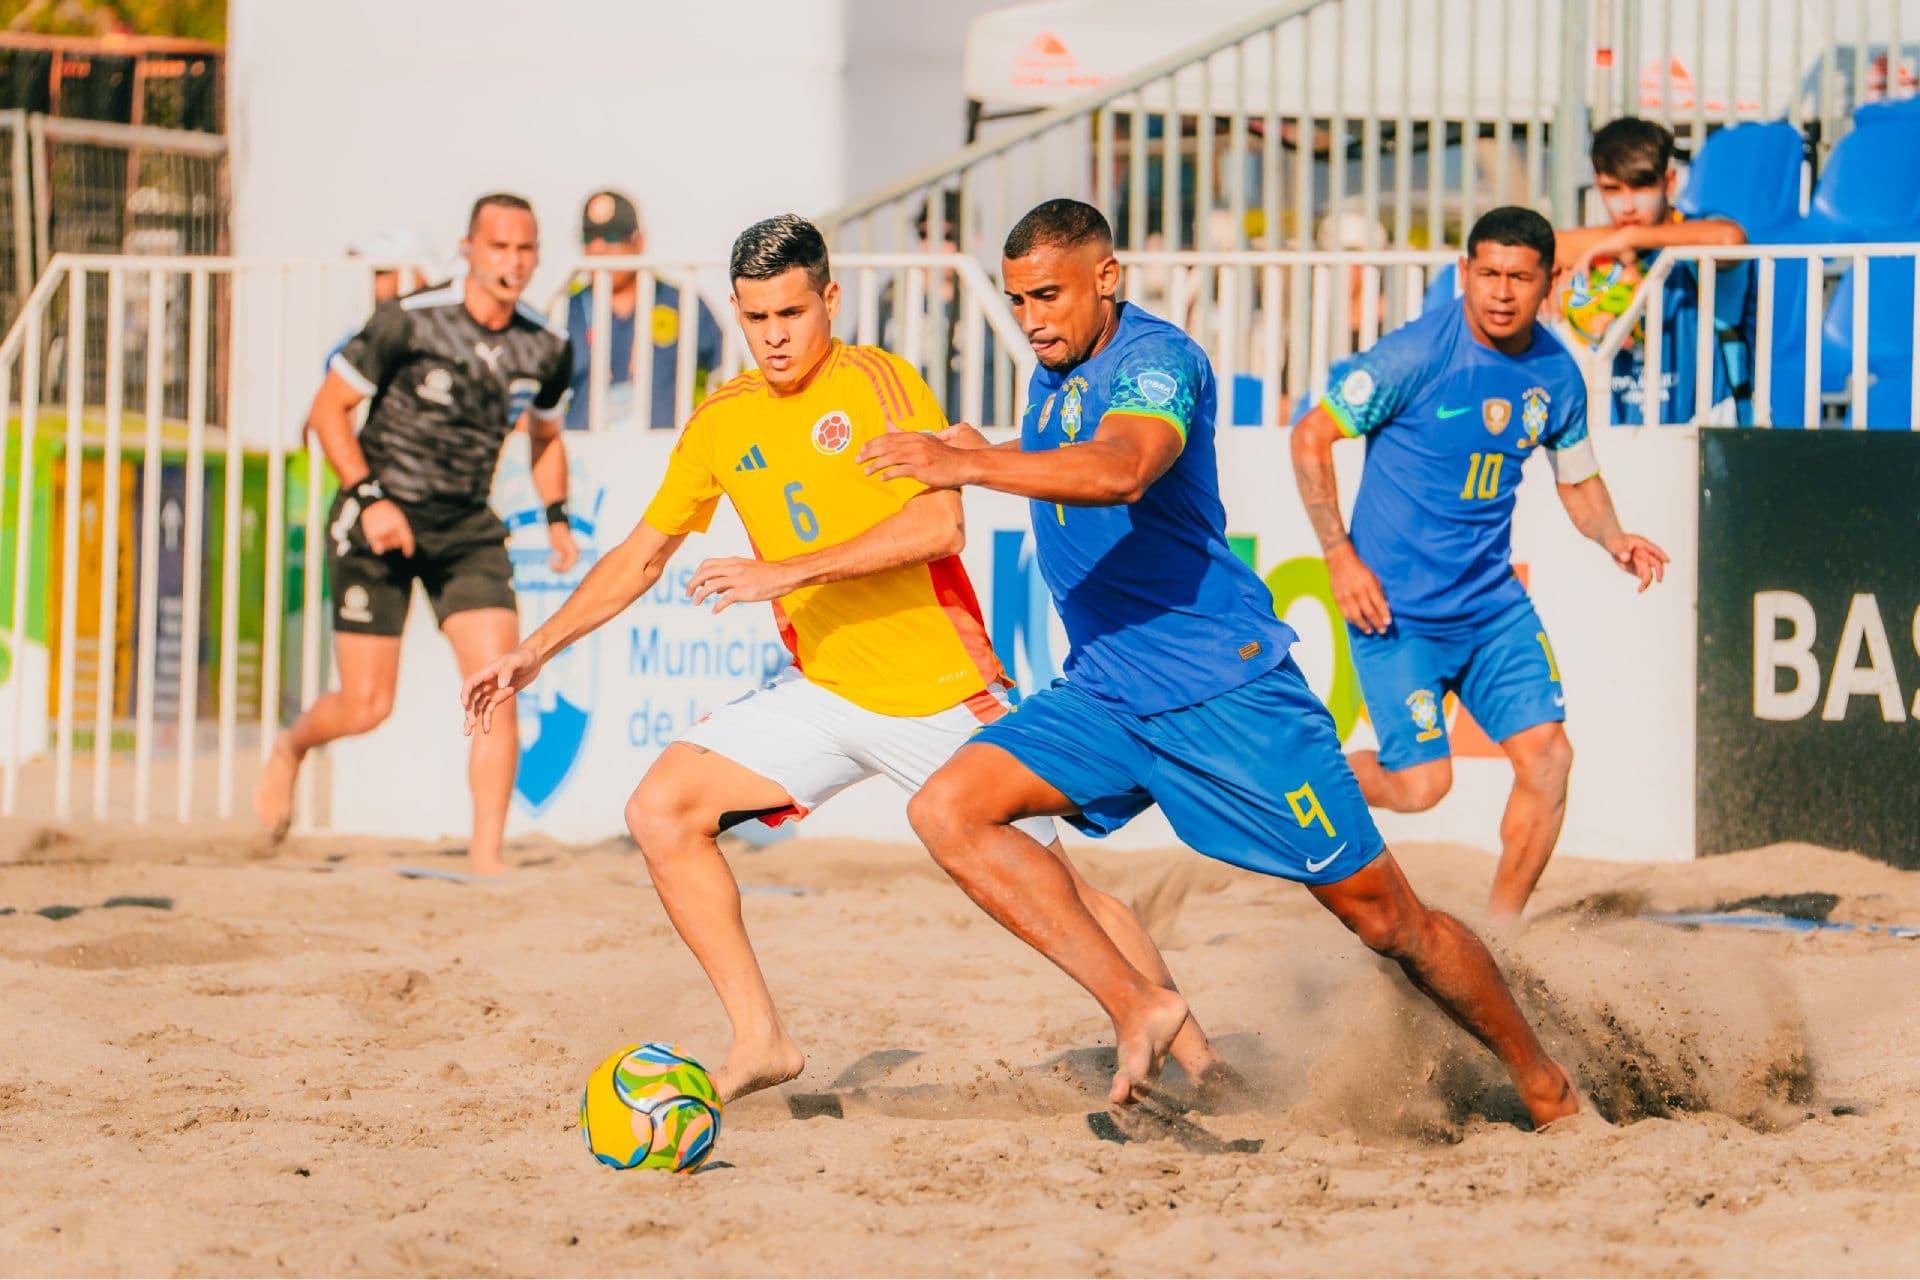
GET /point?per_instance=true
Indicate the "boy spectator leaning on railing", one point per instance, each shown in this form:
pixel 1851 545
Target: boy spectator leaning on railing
pixel 1600 267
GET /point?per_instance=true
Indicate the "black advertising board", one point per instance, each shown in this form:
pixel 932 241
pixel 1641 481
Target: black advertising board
pixel 1809 654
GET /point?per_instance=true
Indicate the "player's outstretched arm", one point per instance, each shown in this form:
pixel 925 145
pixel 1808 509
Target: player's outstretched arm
pixel 1356 589
pixel 930 527
pixel 622 576
pixel 1127 454
pixel 1590 506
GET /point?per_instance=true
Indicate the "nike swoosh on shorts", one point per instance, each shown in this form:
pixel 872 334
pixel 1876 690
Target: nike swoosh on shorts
pixel 1314 867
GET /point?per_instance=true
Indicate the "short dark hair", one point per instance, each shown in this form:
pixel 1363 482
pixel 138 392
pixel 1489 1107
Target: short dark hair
pixel 1511 224
pixel 1061 223
pixel 777 245
pixel 497 200
pixel 1634 151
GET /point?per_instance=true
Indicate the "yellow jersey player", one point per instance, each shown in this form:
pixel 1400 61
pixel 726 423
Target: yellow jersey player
pixel 892 669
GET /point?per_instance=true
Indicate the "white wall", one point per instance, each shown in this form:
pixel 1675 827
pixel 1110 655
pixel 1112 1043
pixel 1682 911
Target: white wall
pixel 359 115
pixel 905 91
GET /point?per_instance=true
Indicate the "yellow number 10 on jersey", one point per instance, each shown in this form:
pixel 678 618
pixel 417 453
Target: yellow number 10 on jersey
pixel 1483 476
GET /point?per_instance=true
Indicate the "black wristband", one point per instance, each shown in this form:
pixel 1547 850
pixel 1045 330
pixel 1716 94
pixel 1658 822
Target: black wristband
pixel 557 512
pixel 369 492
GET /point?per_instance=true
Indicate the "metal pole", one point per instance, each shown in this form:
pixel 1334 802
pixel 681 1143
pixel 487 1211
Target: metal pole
pixel 1570 120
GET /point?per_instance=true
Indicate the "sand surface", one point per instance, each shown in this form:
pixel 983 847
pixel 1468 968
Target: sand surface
pixel 300 1062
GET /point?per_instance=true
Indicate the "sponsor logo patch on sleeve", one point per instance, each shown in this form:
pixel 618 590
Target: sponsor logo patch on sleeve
pixel 1157 388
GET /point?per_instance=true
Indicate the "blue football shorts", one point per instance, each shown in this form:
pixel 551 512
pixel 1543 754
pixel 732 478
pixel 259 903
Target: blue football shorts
pixel 1252 777
pixel 1503 669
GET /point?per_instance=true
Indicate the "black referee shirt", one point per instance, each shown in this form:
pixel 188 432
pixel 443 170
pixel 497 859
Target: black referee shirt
pixel 446 392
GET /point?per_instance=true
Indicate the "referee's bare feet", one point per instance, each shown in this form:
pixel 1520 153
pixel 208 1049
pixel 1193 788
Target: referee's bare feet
pixel 485 864
pixel 273 792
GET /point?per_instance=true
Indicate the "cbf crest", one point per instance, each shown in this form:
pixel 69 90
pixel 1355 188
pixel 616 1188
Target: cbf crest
pixel 1070 407
pixel 1533 412
pixel 1496 414
pixel 1425 710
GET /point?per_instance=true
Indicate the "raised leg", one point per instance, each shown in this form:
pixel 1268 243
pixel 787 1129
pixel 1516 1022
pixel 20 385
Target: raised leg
pixel 1411 790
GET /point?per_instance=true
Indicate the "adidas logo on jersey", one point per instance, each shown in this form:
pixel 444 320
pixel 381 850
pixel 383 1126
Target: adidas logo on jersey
pixel 751 460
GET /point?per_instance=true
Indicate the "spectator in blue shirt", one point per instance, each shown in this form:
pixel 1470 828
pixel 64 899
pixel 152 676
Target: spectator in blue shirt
pixel 610 225
pixel 1600 268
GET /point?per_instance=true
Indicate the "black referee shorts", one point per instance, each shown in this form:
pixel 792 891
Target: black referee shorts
pixel 460 557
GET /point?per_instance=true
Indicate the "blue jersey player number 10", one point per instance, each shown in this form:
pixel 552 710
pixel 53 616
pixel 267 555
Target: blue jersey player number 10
pixel 1451 406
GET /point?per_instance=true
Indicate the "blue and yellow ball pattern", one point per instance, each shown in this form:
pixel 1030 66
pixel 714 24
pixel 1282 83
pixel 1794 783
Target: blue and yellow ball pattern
pixel 650 1106
pixel 1597 298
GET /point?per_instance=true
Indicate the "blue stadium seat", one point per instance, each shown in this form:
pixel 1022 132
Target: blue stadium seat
pixel 1863 196
pixel 1749 173
pixel 1869 189
pixel 1889 339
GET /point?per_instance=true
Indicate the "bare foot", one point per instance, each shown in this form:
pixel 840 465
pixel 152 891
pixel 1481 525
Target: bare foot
pixel 750 1068
pixel 1141 1047
pixel 486 864
pixel 273 793
pixel 1556 1099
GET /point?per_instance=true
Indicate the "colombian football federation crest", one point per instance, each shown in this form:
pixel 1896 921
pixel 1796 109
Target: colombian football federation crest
pixel 1070 407
pixel 833 433
pixel 1533 412
pixel 1495 414
pixel 1425 711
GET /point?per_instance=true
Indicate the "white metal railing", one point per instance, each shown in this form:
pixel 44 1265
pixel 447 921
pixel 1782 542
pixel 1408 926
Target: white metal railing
pixel 940 311
pixel 195 695
pixel 1281 318
pixel 1412 114
pixel 151 317
pixel 1807 269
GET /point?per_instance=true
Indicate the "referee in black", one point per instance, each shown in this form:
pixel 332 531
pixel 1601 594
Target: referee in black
pixel 451 371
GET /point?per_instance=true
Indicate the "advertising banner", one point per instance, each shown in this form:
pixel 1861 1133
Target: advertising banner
pixel 1810 641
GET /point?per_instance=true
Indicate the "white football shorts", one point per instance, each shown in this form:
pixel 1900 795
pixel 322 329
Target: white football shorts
pixel 816 744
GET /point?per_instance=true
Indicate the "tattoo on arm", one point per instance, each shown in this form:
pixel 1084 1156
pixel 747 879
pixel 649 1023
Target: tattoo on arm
pixel 1321 497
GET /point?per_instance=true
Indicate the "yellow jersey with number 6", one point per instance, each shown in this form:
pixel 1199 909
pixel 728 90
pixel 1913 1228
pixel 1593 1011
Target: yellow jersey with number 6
pixel 905 642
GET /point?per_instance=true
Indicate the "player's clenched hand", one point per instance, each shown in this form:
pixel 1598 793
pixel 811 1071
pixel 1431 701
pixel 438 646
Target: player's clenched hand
pixel 964 435
pixel 917 455
pixel 566 552
pixel 736 580
pixel 1357 591
pixel 489 687
pixel 386 528
pixel 1639 557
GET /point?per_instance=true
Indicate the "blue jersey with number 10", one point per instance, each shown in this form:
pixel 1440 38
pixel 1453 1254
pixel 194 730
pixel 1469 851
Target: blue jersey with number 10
pixel 1159 611
pixel 1449 423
